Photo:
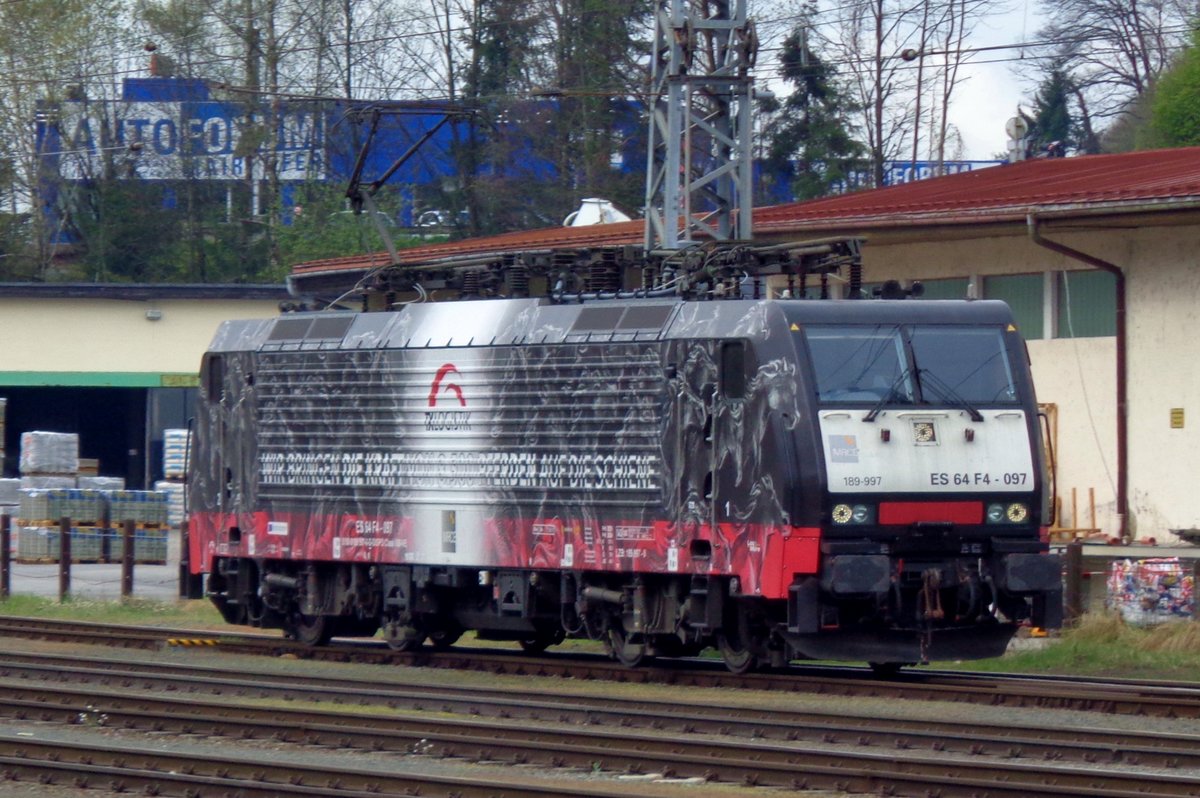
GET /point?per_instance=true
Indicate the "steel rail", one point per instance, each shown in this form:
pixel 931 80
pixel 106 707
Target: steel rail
pixel 711 758
pixel 1168 750
pixel 1153 699
pixel 124 767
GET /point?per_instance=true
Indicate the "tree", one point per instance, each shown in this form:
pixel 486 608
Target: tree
pixel 322 227
pixel 1174 113
pixel 901 59
pixel 73 56
pixel 497 75
pixel 551 84
pixel 946 27
pixel 205 219
pixel 1053 127
pixel 1112 51
pixel 270 53
pixel 600 54
pixel 809 135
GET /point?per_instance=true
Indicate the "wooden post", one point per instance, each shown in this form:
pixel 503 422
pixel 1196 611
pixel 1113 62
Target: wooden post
pixel 64 558
pixel 5 555
pixel 127 537
pixel 1073 596
pixel 1195 585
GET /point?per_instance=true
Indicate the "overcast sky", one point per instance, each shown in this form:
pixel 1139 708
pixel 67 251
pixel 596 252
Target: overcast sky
pixel 990 95
pixel 990 86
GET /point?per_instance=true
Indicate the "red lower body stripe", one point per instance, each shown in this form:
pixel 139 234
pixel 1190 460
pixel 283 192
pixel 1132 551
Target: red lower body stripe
pixel 903 513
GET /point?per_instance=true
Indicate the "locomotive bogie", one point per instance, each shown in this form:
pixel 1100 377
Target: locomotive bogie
pixel 635 618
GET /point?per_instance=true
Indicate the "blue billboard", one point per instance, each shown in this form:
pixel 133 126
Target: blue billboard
pixel 897 172
pixel 174 129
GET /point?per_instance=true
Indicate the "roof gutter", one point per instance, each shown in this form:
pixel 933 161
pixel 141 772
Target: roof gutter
pixel 1031 222
pixel 876 219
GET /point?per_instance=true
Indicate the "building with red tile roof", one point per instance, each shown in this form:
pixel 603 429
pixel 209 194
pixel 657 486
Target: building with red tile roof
pixel 1091 187
pixel 1099 257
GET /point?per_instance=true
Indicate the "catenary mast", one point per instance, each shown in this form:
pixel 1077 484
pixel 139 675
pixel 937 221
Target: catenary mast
pixel 698 175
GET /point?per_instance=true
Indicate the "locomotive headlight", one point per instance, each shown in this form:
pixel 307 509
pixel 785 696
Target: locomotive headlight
pixel 852 514
pixel 1016 513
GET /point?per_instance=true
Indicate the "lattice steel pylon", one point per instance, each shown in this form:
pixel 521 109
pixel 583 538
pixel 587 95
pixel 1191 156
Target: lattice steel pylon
pixel 698 175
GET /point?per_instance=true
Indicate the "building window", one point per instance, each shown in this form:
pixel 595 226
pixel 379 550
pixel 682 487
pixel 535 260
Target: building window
pixel 954 288
pixel 1087 304
pixel 1023 293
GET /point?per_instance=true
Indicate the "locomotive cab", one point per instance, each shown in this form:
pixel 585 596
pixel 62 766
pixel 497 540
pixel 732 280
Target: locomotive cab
pixel 935 497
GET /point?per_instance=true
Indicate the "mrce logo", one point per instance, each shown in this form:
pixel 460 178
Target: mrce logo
pixel 447 409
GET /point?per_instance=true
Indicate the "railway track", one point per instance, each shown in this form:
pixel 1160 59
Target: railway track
pixel 1117 697
pixel 734 762
pixel 127 767
pixel 700 741
pixel 92 676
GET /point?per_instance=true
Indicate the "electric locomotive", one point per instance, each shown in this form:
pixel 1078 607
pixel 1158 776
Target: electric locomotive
pixel 778 479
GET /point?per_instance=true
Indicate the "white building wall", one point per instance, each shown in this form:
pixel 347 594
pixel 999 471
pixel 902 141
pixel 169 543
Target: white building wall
pixel 1164 373
pixel 114 336
pixel 1078 377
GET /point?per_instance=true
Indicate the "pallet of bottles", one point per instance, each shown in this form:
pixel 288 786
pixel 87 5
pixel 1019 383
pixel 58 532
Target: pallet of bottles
pixel 83 506
pixel 149 544
pixel 49 453
pixel 39 542
pixel 147 508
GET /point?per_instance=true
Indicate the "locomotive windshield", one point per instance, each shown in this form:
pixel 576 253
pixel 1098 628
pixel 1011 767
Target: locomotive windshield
pixel 911 364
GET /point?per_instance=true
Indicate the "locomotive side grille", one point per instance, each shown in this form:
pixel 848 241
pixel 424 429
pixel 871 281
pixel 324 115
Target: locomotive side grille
pixel 526 421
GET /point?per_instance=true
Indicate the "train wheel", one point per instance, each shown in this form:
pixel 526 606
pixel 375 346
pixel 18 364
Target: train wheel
pixel 446 636
pixel 623 651
pixel 402 638
pixel 738 643
pixel 310 630
pixel 541 640
pixel 737 656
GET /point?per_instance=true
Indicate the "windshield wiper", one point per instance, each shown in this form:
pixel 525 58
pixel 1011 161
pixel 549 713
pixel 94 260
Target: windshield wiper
pixel 946 393
pixel 888 396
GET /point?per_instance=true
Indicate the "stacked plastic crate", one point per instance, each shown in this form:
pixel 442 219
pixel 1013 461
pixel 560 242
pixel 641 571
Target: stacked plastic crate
pixel 49 463
pixel 41 511
pixel 176 449
pixel 102 483
pixel 49 459
pixel 147 509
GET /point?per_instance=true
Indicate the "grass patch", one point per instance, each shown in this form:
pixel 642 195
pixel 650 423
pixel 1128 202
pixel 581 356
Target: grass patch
pixel 133 611
pixel 1104 645
pixel 1101 645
